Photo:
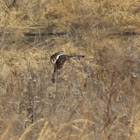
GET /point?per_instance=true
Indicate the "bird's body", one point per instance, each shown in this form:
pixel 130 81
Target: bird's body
pixel 59 59
pixel 55 57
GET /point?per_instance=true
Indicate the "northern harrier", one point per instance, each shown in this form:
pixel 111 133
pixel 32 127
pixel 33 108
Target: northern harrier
pixel 58 59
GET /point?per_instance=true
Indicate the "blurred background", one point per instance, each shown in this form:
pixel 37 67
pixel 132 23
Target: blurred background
pixel 95 98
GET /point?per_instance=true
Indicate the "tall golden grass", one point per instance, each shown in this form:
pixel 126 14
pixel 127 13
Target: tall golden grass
pixel 95 98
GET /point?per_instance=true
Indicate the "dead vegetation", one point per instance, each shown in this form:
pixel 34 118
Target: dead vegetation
pixel 96 98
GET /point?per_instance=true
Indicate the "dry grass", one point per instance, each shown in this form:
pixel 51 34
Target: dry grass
pixel 96 98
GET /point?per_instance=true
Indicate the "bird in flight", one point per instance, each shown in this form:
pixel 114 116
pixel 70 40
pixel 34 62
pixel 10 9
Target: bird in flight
pixel 59 59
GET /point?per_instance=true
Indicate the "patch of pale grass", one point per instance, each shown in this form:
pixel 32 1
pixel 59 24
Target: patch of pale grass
pixel 62 14
pixel 6 132
pixel 135 126
pixel 29 128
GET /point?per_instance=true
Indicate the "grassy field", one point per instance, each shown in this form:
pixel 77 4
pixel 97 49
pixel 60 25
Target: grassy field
pixel 96 97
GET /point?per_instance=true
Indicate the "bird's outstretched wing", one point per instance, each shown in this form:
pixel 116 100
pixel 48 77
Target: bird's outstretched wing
pixel 77 56
pixel 58 65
